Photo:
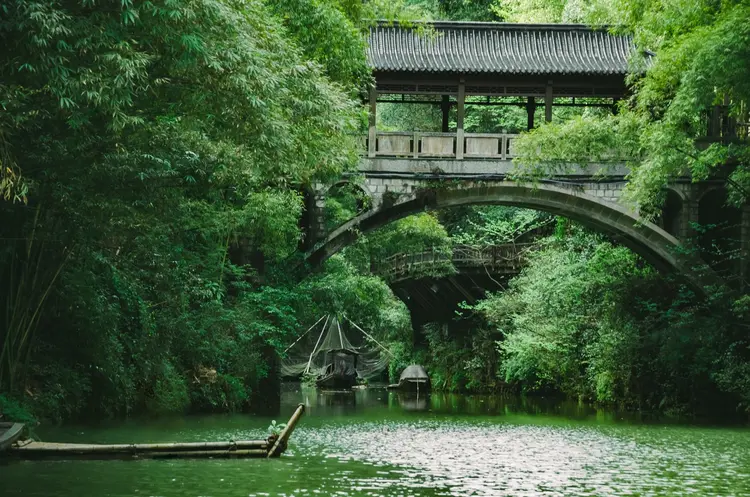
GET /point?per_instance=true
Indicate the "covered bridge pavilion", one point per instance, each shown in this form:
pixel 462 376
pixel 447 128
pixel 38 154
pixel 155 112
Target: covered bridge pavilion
pixel 455 64
pixel 539 68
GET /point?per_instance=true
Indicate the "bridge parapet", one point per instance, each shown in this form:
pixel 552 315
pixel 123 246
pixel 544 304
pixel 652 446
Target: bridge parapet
pixel 419 144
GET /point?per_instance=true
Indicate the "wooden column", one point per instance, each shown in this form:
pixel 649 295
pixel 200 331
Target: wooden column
pixel 373 134
pixel 714 122
pixel 530 110
pixel 548 102
pixel 445 106
pixel 460 120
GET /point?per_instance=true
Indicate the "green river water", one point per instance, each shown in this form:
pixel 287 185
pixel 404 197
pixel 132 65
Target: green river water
pixel 376 443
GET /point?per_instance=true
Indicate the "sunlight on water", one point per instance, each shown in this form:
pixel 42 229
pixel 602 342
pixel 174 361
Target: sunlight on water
pixel 375 444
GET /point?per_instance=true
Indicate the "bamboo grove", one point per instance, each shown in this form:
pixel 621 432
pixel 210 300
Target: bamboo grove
pixel 152 159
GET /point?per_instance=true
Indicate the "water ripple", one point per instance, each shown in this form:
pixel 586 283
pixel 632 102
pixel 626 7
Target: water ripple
pixel 504 459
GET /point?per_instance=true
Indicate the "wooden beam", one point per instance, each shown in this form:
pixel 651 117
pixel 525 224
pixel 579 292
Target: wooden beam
pixel 457 285
pixel 373 133
pixel 571 85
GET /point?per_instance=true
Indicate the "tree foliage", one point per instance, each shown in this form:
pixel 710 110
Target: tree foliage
pixel 152 155
pixel 154 150
pixel 701 59
pixel 591 320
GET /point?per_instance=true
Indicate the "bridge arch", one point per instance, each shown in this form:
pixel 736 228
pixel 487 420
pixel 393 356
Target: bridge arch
pixel 363 187
pixel 356 197
pixel 651 242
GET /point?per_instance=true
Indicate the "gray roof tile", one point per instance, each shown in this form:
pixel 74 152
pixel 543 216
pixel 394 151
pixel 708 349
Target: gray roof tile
pixel 473 47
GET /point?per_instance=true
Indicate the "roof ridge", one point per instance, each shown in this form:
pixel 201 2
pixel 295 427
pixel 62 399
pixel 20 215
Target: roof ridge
pixel 495 25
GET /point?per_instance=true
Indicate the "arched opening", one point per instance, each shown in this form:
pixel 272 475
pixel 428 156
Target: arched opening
pixel 719 232
pixel 344 201
pixel 651 242
pixel 672 214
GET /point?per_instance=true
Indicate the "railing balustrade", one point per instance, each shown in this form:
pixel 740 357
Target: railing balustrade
pixel 742 131
pixel 505 258
pixel 499 146
pixel 443 145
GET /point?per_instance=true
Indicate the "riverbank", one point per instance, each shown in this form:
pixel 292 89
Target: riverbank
pixel 434 403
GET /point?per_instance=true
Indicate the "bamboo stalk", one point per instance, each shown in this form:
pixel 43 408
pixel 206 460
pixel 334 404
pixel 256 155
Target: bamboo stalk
pixel 10 318
pixel 203 453
pixel 224 259
pixel 183 454
pixel 305 333
pixel 369 336
pixel 309 361
pixel 287 432
pixel 42 447
pixel 28 335
pixel 24 306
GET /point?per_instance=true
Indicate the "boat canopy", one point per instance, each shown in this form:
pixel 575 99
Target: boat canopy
pixel 414 372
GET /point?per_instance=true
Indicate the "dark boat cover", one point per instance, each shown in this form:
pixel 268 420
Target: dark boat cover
pixel 342 362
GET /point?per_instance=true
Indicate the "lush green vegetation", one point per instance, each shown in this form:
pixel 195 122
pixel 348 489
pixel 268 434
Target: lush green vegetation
pixel 591 320
pixel 701 53
pixel 152 155
pixel 588 318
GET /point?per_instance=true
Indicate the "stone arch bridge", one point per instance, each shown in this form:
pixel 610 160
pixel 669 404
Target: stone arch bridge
pixel 592 203
pixel 537 68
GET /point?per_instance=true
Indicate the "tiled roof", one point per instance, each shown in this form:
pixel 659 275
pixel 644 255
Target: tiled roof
pixel 474 47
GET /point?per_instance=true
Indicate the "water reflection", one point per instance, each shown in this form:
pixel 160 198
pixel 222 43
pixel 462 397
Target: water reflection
pixel 376 397
pixel 379 443
pixel 413 401
pixel 346 400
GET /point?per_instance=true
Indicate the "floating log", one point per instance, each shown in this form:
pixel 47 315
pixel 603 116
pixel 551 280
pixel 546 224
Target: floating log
pixel 245 448
pixel 42 449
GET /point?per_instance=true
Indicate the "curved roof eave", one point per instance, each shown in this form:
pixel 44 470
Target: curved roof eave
pixel 500 48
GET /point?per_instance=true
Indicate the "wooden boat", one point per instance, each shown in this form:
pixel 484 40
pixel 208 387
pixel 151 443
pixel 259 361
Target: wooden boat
pixel 413 378
pixel 341 370
pixel 272 447
pixel 333 362
pixel 9 434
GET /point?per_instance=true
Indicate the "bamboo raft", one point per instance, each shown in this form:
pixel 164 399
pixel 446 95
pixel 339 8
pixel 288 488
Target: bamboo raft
pixel 272 447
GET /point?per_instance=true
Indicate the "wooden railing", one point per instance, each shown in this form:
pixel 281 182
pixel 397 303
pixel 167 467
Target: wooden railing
pixel 443 145
pixel 496 259
pixel 420 144
pixel 721 125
